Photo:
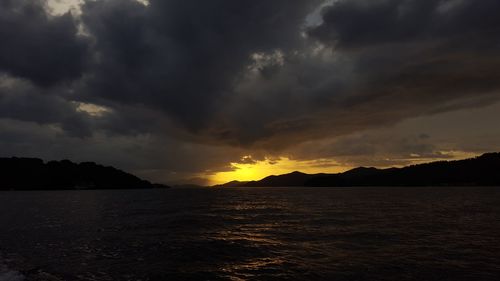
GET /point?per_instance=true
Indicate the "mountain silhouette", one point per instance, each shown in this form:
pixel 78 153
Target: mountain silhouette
pixel 483 170
pixel 35 174
pixel 291 179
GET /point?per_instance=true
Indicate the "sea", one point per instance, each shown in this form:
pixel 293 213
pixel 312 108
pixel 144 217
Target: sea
pixel 368 233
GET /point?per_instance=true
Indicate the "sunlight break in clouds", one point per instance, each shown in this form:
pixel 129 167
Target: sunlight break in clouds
pixel 59 7
pixel 92 109
pixel 257 169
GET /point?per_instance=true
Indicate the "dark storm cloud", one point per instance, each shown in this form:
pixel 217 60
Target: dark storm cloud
pixel 417 51
pixel 203 83
pixel 38 47
pixel 360 23
pixel 183 56
pixel 412 58
pixel 22 101
pixel 242 72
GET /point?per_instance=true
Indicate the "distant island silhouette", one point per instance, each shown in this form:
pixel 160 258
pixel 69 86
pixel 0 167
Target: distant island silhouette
pixel 35 174
pixel 483 170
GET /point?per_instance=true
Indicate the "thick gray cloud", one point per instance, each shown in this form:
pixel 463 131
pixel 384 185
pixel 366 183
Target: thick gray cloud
pixel 351 24
pixel 182 57
pixel 20 100
pixel 203 83
pixel 43 49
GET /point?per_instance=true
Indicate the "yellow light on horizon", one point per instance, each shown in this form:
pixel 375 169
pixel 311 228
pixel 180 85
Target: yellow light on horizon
pixel 261 169
pixel 250 170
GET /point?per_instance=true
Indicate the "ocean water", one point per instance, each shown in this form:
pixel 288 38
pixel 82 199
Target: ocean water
pixel 450 233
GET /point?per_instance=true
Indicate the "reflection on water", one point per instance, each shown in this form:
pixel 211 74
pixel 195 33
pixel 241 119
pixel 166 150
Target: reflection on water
pixel 252 234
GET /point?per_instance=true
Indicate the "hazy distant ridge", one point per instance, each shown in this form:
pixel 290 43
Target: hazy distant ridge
pixel 33 174
pixel 480 171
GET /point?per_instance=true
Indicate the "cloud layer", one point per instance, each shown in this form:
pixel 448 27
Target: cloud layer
pixel 199 84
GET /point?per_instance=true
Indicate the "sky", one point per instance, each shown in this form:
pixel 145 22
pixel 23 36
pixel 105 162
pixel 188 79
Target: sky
pixel 205 92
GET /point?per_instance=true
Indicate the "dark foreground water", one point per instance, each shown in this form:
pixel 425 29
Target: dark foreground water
pixel 252 234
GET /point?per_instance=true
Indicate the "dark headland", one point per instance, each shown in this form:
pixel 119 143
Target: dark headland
pixel 483 170
pixel 35 174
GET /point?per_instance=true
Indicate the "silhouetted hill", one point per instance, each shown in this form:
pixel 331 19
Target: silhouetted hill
pixel 33 174
pixel 292 179
pixel 232 184
pixel 480 171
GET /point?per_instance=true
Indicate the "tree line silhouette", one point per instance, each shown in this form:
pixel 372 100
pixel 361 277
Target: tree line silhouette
pixel 33 174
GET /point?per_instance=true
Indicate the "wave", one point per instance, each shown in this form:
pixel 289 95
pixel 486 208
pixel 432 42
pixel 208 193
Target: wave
pixel 7 274
pixel 10 275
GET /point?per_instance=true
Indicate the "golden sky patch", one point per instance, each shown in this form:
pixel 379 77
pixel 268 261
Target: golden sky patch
pixel 249 170
pixel 267 167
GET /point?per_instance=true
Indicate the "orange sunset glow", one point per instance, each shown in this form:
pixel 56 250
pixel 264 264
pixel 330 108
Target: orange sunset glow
pixel 260 169
pixel 251 170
